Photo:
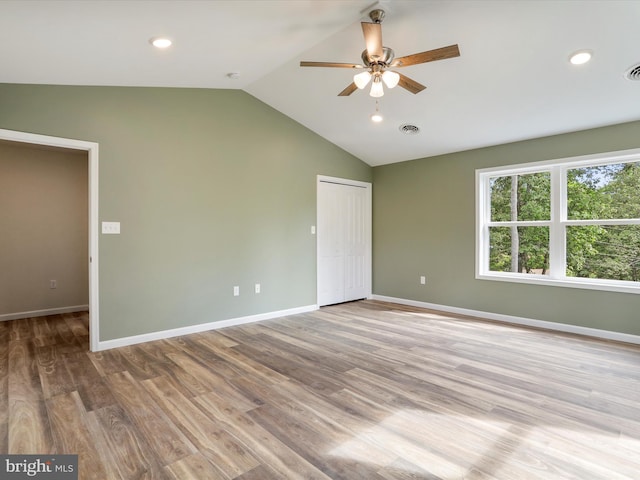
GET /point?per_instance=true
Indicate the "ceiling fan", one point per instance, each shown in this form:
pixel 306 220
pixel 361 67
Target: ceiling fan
pixel 378 60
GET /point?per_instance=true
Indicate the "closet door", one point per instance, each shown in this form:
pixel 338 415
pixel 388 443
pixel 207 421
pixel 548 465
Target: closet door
pixel 344 240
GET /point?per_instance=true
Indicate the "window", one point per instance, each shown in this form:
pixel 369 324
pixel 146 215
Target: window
pixel 571 222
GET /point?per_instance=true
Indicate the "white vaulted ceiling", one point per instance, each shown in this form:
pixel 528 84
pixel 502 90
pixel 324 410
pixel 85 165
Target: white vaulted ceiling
pixel 512 81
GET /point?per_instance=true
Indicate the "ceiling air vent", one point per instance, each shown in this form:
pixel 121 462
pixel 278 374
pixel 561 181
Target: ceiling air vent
pixel 409 129
pixel 633 73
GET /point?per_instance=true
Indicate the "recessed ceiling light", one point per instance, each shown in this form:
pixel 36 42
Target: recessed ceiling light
pixel 160 42
pixel 580 57
pixel 376 116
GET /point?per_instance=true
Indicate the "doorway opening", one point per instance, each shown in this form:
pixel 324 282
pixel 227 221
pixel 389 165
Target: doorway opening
pixel 92 157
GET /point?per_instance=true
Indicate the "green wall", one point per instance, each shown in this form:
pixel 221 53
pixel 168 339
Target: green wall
pixel 213 188
pixel 424 224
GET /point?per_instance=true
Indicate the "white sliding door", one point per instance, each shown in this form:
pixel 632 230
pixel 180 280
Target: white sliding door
pixel 344 240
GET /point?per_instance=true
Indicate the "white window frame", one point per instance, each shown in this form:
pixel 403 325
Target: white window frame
pixel 557 223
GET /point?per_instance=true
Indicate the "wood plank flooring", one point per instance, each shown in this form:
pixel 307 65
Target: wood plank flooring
pixel 365 390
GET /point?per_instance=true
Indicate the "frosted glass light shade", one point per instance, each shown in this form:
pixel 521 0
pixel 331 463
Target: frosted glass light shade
pixel 361 79
pixel 376 89
pixel 390 78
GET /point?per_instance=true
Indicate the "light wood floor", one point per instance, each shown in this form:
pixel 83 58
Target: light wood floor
pixel 365 390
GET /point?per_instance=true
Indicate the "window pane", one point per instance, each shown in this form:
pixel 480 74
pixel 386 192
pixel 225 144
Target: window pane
pixel 604 192
pixel 610 252
pixel 521 197
pixel 519 249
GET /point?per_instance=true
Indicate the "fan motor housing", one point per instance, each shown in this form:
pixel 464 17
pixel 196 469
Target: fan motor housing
pixel 386 59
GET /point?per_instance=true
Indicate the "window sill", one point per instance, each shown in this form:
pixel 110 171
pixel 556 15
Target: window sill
pixel 584 283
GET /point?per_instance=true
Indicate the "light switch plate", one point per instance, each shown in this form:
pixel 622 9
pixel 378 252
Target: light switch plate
pixel 112 228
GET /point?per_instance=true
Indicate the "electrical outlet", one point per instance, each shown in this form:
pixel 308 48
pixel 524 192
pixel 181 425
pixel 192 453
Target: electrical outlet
pixel 53 284
pixel 423 280
pixel 236 291
pixel 257 288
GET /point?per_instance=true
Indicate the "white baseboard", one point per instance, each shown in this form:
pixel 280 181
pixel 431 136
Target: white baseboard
pixel 561 327
pixel 203 327
pixel 43 313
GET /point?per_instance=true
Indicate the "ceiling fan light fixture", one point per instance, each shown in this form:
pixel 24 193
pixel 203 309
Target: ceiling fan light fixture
pixel 361 79
pixel 376 88
pixel 376 58
pixel 390 78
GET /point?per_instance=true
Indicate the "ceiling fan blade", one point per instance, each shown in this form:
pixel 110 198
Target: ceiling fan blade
pixel 331 64
pixel 429 56
pixel 373 39
pixel 411 85
pixel 349 90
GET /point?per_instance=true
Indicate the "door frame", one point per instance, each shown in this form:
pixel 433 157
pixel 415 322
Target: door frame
pixel 369 257
pixel 92 154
